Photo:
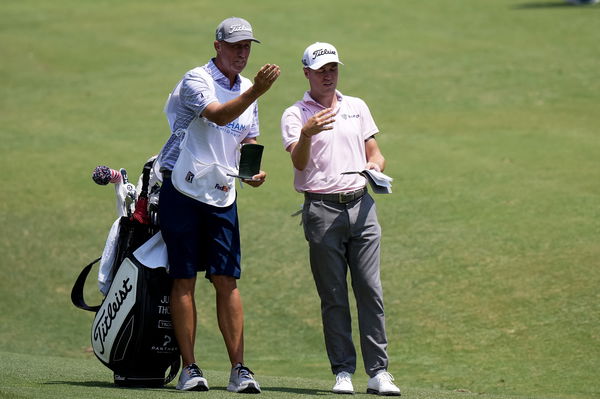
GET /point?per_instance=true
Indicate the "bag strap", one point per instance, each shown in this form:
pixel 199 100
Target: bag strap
pixel 77 291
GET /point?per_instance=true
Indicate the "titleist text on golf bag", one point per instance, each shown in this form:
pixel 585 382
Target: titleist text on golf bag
pixel 132 333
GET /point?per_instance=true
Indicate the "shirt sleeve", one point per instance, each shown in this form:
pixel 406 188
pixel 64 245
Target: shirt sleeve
pixel 195 93
pixel 369 128
pixel 291 125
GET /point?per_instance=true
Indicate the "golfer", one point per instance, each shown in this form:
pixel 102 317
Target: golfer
pixel 211 111
pixel 328 133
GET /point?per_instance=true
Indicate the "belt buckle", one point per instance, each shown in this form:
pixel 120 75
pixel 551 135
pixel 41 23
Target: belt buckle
pixel 345 197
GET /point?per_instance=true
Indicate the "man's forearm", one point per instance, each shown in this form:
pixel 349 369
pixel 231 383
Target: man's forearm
pixel 301 152
pixel 222 114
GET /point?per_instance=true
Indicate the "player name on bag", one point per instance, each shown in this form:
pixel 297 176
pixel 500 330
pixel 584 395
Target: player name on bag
pixel 164 309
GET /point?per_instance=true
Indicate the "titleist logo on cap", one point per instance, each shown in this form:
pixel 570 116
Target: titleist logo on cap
pixel 322 51
pixel 237 28
pixel 234 29
pixel 318 54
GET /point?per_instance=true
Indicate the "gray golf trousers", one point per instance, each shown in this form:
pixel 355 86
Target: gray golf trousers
pixel 346 237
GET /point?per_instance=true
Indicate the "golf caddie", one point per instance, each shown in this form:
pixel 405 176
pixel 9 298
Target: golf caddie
pixel 327 134
pixel 211 112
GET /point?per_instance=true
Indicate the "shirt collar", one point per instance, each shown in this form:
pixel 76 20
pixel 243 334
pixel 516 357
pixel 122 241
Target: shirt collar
pixel 308 99
pixel 221 79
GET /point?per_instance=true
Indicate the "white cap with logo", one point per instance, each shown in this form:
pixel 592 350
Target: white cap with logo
pixel 318 54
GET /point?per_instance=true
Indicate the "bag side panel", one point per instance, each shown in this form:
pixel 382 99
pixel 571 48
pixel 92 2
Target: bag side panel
pixel 154 348
pixel 114 311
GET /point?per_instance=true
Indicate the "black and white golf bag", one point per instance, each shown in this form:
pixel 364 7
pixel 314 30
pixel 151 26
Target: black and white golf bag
pixel 132 333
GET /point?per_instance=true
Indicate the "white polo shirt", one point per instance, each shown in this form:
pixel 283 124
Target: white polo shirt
pixel 332 152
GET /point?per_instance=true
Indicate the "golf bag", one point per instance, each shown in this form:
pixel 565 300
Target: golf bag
pixel 132 333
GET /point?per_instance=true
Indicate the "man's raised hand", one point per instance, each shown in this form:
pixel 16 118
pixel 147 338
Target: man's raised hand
pixel 322 120
pixel 265 77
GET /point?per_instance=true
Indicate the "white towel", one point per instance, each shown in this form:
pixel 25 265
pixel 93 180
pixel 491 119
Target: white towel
pixel 153 253
pixel 108 258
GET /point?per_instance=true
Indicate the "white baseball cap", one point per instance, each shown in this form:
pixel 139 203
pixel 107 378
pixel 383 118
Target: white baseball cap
pixel 318 54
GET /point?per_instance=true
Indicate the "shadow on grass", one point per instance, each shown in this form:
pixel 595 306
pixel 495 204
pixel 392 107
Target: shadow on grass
pixel 298 391
pixel 107 384
pixel 97 384
pixel 551 4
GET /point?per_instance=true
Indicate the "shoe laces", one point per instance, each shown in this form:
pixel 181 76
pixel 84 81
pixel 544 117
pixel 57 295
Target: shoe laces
pixel 243 371
pixel 193 370
pixel 343 376
pixel 385 376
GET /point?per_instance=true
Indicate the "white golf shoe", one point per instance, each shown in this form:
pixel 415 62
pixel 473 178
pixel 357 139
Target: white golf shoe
pixel 191 379
pixel 382 384
pixel 343 383
pixel 241 380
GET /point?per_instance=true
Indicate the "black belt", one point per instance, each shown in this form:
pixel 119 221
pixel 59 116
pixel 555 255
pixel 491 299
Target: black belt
pixel 166 173
pixel 338 198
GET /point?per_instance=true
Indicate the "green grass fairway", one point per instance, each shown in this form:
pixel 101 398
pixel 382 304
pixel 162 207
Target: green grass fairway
pixel 491 247
pixel 25 376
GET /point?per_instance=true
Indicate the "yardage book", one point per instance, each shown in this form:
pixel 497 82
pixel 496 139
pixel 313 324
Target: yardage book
pixel 250 157
pixel 380 183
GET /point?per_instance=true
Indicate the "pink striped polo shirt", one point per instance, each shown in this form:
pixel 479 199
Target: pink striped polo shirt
pixel 335 151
